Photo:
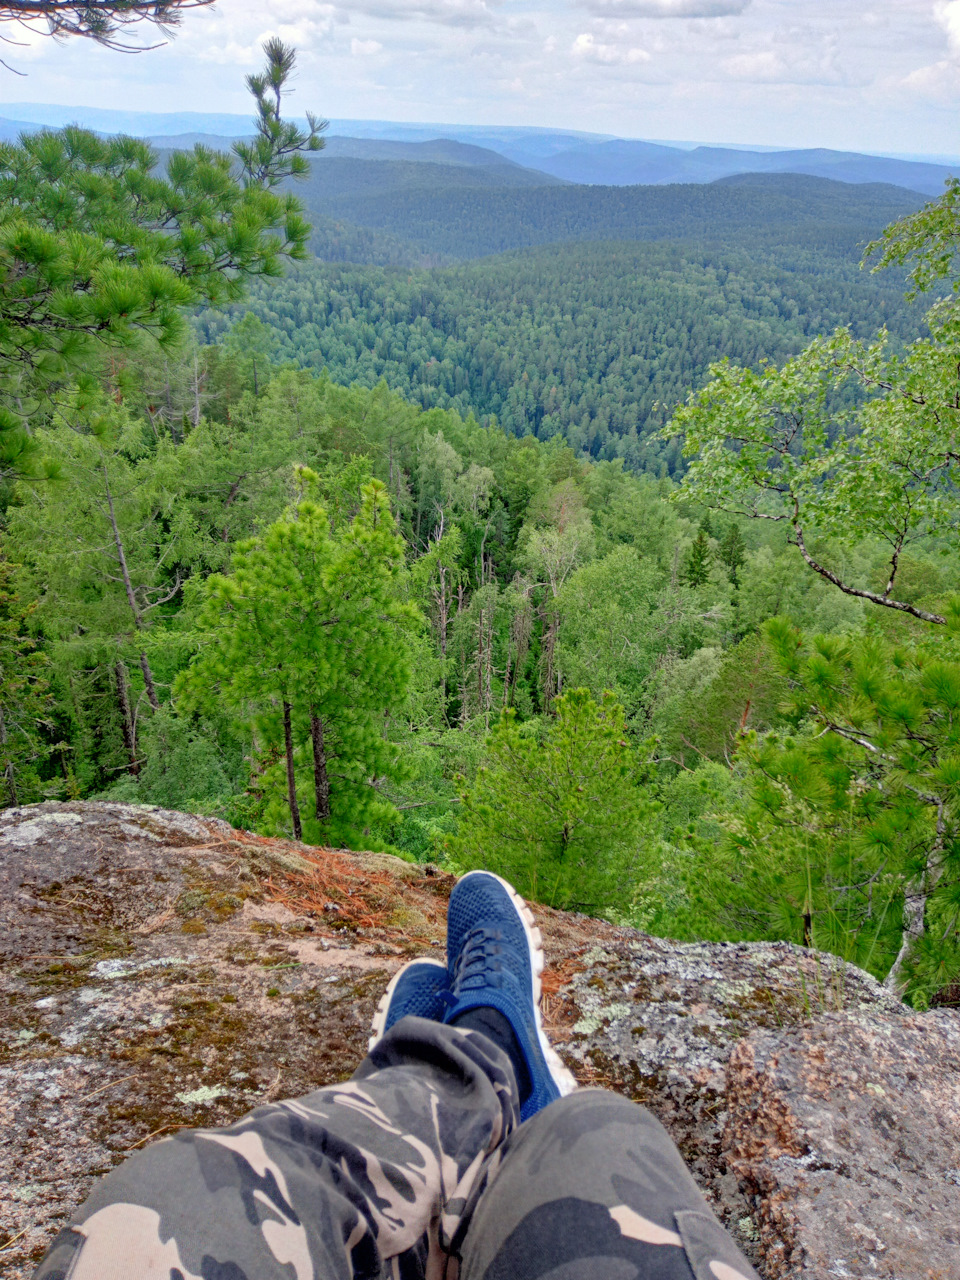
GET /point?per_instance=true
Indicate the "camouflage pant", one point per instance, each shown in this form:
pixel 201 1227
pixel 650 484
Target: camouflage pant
pixel 415 1169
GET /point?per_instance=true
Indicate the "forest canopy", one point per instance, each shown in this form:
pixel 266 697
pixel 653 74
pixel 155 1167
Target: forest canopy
pixel 429 561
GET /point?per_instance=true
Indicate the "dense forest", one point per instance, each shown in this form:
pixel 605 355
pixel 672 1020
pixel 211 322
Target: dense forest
pixel 595 343
pixel 445 617
pixel 764 211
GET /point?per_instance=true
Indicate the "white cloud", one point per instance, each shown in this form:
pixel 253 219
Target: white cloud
pixel 235 36
pixel 947 13
pixel 938 83
pixel 666 8
pixel 765 65
pixel 859 74
pixel 589 49
pixel 364 48
pixel 448 13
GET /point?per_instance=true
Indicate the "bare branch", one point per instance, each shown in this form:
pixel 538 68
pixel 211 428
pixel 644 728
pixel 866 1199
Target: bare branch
pixel 860 593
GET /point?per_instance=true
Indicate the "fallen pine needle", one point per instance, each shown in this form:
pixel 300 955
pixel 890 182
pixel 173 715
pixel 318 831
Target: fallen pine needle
pixel 162 1129
pixel 108 1085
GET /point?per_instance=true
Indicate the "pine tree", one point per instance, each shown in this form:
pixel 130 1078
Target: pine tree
pixel 305 640
pixel 696 569
pixel 561 814
pixel 105 21
pixel 851 840
pixel 733 552
pixel 99 251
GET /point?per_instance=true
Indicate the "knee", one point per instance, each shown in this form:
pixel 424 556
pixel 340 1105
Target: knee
pixel 592 1110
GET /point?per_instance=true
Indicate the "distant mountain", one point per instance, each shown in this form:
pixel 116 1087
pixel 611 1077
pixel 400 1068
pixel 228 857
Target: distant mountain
pixel 446 151
pixel 472 221
pixel 624 163
pixel 561 155
pixel 10 130
pixel 333 179
pixel 141 124
pixel 432 151
pixel 167 125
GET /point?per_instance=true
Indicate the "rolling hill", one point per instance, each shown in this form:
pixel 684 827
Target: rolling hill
pixel 469 221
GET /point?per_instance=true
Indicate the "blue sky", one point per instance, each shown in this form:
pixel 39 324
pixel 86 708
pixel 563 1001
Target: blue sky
pixel 881 75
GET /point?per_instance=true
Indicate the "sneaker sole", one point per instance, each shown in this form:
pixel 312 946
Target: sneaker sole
pixel 563 1077
pixel 379 1024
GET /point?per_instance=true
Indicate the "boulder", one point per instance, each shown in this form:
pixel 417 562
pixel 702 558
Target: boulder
pixel 163 970
pixel 845 1133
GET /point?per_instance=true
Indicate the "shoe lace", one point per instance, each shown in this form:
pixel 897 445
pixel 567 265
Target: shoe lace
pixel 478 960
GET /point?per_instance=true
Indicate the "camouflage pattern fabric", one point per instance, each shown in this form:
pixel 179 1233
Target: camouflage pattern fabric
pixel 415 1169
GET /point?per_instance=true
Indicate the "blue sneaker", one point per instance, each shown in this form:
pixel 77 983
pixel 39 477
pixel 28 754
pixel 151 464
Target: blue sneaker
pixel 418 989
pixel 495 958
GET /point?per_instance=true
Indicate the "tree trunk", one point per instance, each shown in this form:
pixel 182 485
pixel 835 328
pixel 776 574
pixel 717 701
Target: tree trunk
pixel 197 406
pixel 443 602
pixel 549 645
pixel 291 775
pixel 915 905
pixel 521 628
pixel 914 912
pixel 128 587
pixel 8 771
pixel 126 719
pixel 481 639
pixel 148 682
pixel 169 400
pixel 488 670
pixel 321 782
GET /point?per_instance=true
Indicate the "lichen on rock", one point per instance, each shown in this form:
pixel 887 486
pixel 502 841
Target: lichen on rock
pixel 821 1118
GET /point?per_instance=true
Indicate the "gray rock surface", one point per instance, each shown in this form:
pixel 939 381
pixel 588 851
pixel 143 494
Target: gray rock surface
pixel 846 1134
pixel 162 970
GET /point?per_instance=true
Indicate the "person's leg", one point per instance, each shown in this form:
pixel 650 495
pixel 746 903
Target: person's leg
pixel 593 1186
pixel 590 1184
pixel 356 1180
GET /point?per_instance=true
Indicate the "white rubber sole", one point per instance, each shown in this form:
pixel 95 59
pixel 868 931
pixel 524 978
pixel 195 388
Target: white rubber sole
pixel 379 1024
pixel 562 1076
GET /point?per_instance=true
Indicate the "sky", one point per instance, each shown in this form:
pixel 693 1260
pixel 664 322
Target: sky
pixel 874 75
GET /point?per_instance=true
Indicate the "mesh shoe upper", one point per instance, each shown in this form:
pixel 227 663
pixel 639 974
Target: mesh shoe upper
pixel 419 989
pixel 495 958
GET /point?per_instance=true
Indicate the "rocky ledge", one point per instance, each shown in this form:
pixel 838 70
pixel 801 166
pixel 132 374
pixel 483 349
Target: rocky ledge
pixel 161 970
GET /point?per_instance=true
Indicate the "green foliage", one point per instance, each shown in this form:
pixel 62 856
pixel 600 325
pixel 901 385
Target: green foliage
pixel 305 637
pixel 850 440
pixel 25 699
pixel 187 765
pixel 789 217
pixel 618 618
pixel 593 343
pixel 696 569
pixel 732 551
pixel 561 813
pixel 928 239
pixel 780 445
pixel 276 150
pixel 705 703
pixel 98 250
pixel 851 839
